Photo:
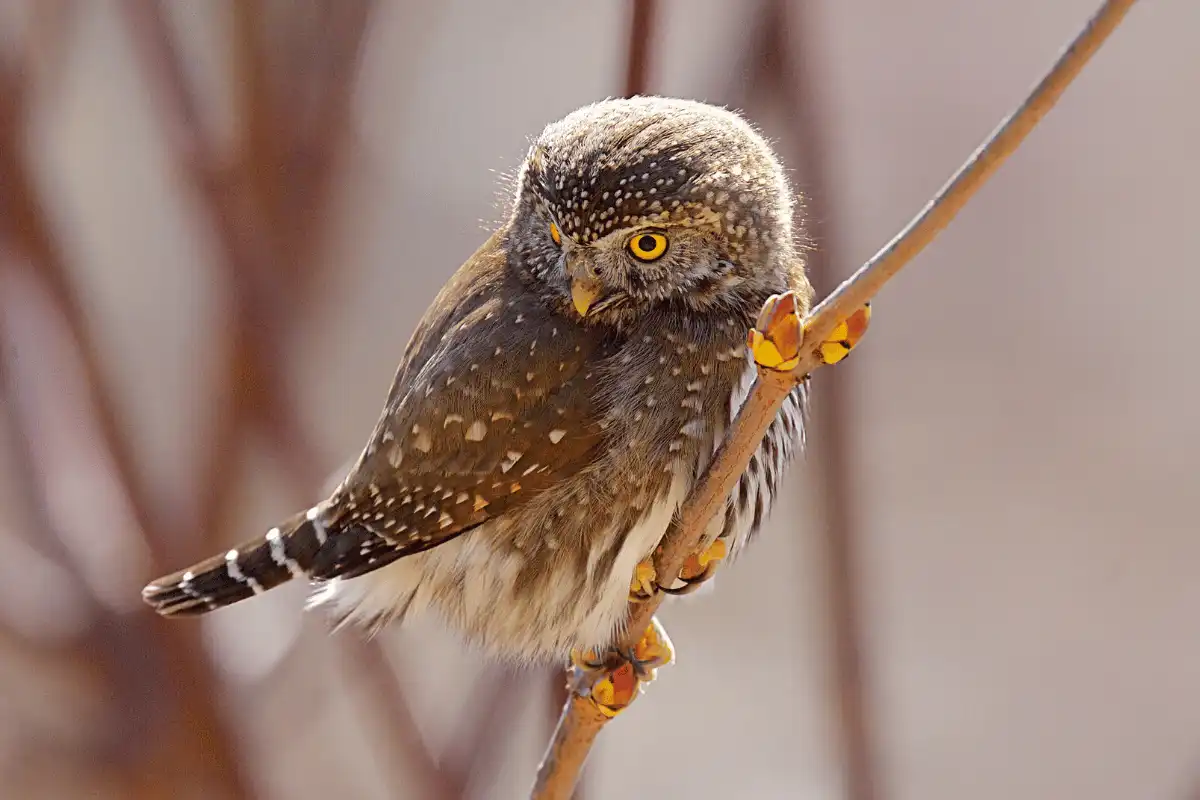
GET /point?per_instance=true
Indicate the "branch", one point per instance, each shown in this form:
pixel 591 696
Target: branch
pixel 642 18
pixel 581 721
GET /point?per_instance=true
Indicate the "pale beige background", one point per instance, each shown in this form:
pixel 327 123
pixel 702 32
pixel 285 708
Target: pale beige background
pixel 1025 419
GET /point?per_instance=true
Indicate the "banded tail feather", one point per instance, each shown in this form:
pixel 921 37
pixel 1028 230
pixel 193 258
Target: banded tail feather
pixel 305 546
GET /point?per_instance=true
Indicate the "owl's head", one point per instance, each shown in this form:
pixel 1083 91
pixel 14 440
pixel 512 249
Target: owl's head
pixel 626 205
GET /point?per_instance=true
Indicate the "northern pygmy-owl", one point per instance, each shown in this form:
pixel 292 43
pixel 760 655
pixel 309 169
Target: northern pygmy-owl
pixel 560 397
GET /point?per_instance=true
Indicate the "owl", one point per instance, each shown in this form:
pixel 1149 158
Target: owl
pixel 560 397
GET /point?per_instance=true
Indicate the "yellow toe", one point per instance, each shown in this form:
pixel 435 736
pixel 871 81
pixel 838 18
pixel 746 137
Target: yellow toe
pixel 845 336
pixel 714 552
pixel 767 354
pixel 642 585
pixel 833 352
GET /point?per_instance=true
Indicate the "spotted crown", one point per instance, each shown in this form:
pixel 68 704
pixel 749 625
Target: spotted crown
pixel 649 160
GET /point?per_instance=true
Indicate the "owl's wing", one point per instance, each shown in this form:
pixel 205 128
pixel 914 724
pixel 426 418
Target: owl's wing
pixel 490 407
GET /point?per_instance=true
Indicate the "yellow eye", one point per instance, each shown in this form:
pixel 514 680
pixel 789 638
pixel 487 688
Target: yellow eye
pixel 555 235
pixel 648 246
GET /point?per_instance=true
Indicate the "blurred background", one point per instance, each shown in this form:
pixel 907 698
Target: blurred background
pixel 219 223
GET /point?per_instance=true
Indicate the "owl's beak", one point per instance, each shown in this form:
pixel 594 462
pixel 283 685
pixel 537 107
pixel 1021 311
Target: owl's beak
pixel 584 292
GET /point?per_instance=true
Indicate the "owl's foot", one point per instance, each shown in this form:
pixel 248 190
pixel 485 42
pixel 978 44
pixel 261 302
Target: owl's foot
pixel 699 567
pixel 643 587
pixel 842 339
pixel 614 680
pixel 776 338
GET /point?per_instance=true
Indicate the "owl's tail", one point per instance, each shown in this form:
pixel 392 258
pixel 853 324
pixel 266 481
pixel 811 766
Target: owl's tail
pixel 286 552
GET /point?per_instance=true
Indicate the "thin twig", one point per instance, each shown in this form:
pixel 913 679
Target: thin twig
pixel 577 728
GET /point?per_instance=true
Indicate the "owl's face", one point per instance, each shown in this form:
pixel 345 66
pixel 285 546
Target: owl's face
pixel 626 205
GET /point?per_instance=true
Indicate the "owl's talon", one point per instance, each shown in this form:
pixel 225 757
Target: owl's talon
pixel 775 341
pixel 699 567
pixel 615 681
pixel 703 560
pixel 775 338
pixel 586 660
pixel 845 336
pixel 643 587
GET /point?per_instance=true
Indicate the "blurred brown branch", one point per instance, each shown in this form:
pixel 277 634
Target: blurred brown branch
pixel 581 721
pixel 404 742
pixel 260 243
pixel 46 50
pixel 19 436
pixel 264 205
pixel 479 738
pixel 789 74
pixel 642 21
pixel 253 380
pixel 198 732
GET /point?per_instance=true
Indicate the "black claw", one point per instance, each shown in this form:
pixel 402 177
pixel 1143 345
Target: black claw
pixel 591 666
pixel 614 658
pixel 692 584
pixel 639 666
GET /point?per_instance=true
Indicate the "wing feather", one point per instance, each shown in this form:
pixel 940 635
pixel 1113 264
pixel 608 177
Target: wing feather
pixel 491 405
